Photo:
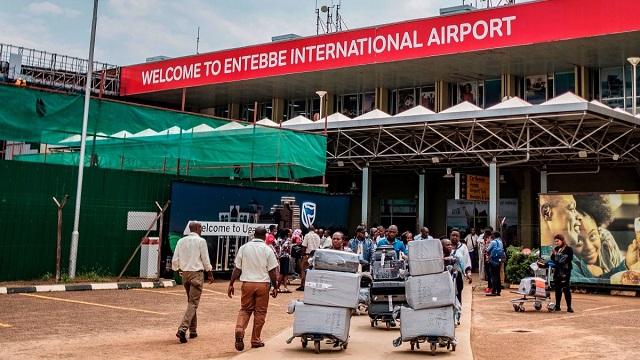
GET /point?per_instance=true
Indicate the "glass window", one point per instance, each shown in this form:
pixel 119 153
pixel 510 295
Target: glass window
pixel 564 82
pixel 492 92
pixel 612 87
pixel 628 75
pixel 399 212
pixel 468 91
pixel 536 89
pixel 368 102
pixel 428 97
pixel 349 105
pixel 296 108
pixel 406 99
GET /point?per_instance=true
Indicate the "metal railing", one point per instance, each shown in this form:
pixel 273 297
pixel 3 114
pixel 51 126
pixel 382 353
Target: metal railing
pixel 57 71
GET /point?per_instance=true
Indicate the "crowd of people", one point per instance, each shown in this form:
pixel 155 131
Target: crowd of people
pixel 577 224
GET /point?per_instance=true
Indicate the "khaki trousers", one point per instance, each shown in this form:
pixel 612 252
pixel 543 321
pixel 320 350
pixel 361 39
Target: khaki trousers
pixel 193 281
pixel 254 300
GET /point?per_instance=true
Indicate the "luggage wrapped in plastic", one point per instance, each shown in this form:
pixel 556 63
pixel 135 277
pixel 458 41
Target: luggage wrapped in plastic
pixel 312 319
pixel 335 260
pixel 426 322
pixel 425 257
pixel 332 288
pixel 430 291
pixel 364 296
pixel 389 270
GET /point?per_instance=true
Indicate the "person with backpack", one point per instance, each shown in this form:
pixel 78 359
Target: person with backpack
pixel 496 259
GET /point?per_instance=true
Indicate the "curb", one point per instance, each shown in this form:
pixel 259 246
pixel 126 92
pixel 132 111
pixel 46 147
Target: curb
pixel 84 287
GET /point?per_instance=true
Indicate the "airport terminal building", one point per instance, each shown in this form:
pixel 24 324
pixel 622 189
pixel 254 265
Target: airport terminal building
pixel 452 121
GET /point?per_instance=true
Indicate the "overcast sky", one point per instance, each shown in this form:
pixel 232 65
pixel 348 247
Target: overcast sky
pixel 129 31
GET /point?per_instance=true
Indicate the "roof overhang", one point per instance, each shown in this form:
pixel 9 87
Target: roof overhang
pixel 541 136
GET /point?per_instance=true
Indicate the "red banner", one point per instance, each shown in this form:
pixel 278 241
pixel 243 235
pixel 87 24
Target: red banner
pixel 505 26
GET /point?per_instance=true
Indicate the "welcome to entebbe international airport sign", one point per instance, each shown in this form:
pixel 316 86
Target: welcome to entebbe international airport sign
pixel 528 23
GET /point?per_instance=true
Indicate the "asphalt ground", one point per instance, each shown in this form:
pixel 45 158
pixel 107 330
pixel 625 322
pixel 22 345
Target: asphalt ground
pixel 141 324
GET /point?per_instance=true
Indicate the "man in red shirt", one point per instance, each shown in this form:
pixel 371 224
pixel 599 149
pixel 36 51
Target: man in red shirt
pixel 271 237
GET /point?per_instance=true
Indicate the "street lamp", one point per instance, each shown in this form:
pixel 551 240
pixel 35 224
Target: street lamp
pixel 322 93
pixel 634 61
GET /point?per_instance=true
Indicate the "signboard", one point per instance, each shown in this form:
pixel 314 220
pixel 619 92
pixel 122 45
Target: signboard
pixel 474 187
pixel 603 229
pixel 463 214
pixel 495 28
pixel 229 214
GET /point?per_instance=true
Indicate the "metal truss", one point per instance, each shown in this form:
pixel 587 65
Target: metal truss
pixel 60 71
pixel 575 140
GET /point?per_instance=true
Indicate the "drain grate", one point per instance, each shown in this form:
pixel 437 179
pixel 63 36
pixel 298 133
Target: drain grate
pixel 521 331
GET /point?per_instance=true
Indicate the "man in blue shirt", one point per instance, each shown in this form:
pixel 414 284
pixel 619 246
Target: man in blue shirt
pixel 390 239
pixel 362 245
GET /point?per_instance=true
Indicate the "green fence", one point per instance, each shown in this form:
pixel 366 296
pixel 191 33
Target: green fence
pixel 29 216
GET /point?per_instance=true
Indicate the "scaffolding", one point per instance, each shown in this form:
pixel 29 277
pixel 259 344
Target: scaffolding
pixel 57 71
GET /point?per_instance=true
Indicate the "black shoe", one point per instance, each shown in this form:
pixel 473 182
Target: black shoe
pixel 239 343
pixel 193 335
pixel 570 310
pixel 392 323
pixel 557 308
pixel 301 288
pixel 498 294
pixel 182 336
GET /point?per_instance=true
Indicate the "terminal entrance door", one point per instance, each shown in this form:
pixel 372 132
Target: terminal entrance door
pixel 399 212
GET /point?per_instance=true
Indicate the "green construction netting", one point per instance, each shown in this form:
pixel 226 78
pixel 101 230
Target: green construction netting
pixel 118 138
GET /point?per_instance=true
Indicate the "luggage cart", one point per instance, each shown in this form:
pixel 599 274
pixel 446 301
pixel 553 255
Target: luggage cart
pixel 436 342
pixel 317 338
pixel 387 288
pixel 537 289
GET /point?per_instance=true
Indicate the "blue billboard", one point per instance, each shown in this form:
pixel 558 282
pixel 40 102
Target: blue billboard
pixel 229 214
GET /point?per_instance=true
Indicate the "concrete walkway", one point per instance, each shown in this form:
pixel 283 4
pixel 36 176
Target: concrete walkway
pixel 366 342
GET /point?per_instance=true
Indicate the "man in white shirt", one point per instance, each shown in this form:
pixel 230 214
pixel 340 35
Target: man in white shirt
pixel 310 243
pixel 191 257
pixel 424 234
pixel 472 244
pixel 255 265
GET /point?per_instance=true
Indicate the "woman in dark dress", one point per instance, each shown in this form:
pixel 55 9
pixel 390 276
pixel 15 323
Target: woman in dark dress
pixel 562 256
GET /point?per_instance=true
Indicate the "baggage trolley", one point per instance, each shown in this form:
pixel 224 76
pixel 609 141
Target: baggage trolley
pixel 317 338
pixel 537 289
pixel 387 288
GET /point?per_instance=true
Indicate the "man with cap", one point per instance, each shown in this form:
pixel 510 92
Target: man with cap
pixel 362 245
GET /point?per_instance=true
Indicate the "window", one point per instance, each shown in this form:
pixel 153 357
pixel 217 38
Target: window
pixel 536 88
pixel 399 212
pixel 492 92
pixel 612 87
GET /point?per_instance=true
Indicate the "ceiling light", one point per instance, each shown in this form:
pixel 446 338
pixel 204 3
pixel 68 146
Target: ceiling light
pixel 616 157
pixel 449 174
pixel 435 159
pixel 341 163
pixel 582 154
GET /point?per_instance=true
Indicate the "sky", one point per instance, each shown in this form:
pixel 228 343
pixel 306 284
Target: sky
pixel 129 31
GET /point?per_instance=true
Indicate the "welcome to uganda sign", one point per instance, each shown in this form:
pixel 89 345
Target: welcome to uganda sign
pixel 603 229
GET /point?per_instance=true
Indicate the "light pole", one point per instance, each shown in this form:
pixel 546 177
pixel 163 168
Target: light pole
pixel 73 253
pixel 634 62
pixel 322 93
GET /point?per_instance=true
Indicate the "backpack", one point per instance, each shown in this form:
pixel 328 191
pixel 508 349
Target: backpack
pixel 497 255
pixel 296 251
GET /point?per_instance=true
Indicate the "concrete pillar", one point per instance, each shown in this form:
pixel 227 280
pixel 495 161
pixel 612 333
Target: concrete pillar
pixel 442 95
pixel 582 84
pixel 382 99
pixel 494 194
pixel 508 85
pixel 277 109
pixel 366 196
pixel 234 111
pixel 421 190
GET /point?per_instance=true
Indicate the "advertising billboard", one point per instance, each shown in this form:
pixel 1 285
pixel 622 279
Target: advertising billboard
pixel 603 230
pixel 229 214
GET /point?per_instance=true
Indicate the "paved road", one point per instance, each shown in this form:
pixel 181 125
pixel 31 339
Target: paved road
pixel 366 343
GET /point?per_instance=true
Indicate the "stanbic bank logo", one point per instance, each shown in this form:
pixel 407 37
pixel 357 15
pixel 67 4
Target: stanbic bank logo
pixel 308 214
